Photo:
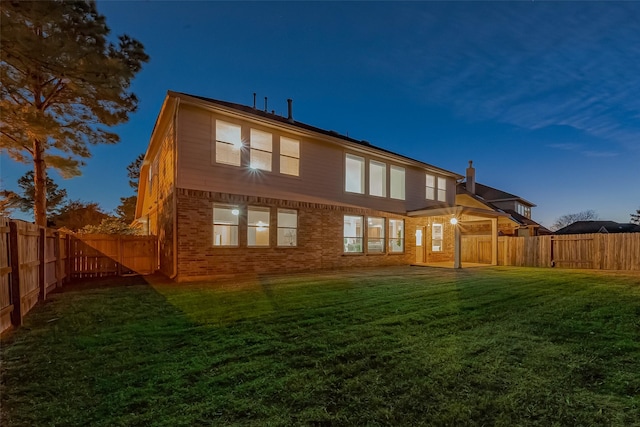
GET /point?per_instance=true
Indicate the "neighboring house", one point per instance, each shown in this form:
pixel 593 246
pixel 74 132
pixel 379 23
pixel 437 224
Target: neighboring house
pixel 518 220
pixel 231 189
pixel 590 227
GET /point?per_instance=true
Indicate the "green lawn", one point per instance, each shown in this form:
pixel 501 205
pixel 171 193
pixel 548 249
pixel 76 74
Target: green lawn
pixel 393 346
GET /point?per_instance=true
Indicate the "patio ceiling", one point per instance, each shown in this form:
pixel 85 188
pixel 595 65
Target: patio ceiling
pixel 457 211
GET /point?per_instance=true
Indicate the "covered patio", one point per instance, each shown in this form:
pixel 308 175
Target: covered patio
pixel 439 239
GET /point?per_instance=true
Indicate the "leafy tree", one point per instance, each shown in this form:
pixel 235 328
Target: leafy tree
pixel 55 196
pixel 76 214
pixel 635 217
pixel 63 84
pixel 126 211
pixel 110 226
pixel 564 220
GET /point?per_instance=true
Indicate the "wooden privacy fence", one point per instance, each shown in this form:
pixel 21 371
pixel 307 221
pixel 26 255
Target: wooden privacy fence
pixel 616 251
pixel 34 261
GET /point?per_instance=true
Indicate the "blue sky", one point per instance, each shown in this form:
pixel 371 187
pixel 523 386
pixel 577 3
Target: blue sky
pixel 543 97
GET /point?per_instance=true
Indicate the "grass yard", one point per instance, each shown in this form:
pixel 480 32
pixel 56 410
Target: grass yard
pixel 393 346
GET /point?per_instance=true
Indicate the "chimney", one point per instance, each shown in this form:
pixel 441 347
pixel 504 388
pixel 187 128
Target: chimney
pixel 290 108
pixel 265 104
pixel 471 178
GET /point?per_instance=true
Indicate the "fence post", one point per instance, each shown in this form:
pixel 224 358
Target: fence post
pixel 42 283
pixel 119 260
pixel 16 314
pixel 69 260
pixel 56 254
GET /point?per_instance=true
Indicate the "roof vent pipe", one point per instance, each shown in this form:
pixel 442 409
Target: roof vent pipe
pixel 471 178
pixel 265 104
pixel 290 109
pixel 254 100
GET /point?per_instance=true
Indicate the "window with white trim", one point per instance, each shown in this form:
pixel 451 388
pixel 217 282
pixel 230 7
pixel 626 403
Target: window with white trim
pixel 353 234
pixel 289 156
pixel 397 182
pixel 375 235
pixel 287 227
pixel 225 225
pixel 377 178
pixel 354 174
pixel 436 237
pixel 431 187
pixel 396 235
pixel 442 189
pixel 228 143
pixel 257 226
pixel 523 210
pixel 261 144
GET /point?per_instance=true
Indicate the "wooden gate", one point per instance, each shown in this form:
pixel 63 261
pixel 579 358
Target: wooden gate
pixel 573 251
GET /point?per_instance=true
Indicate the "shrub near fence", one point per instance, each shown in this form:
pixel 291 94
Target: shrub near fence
pixel 34 261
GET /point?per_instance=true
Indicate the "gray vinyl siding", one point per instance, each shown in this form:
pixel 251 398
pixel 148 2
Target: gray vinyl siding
pixel 321 173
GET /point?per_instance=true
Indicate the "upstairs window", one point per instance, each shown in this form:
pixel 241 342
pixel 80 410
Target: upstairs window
pixel 431 187
pixel 396 235
pixel 228 143
pixel 225 225
pixel 523 210
pixel 397 182
pixel 287 227
pixel 289 156
pixel 354 174
pixel 377 178
pixel 442 189
pixel 375 235
pixel 257 226
pixel 261 148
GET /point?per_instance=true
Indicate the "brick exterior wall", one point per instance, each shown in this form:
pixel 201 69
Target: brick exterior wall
pixel 319 239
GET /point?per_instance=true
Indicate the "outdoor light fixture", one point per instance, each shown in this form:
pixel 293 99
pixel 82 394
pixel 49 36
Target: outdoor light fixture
pixel 453 221
pixel 235 211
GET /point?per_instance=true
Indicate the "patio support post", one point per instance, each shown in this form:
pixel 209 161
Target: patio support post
pixel 457 262
pixel 494 241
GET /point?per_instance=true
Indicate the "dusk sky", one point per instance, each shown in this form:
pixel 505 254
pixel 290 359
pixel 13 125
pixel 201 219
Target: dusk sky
pixel 543 97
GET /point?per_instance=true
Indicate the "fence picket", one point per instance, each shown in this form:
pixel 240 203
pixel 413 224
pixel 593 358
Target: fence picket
pixel 34 261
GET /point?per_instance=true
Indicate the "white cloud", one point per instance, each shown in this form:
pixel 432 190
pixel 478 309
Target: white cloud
pixel 536 65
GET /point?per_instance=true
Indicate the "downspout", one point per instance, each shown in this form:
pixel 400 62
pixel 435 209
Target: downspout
pixel 175 194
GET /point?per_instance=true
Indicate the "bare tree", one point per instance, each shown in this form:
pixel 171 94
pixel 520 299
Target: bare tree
pixel 564 220
pixel 635 217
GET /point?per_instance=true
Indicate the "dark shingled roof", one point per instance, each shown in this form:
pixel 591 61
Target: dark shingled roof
pixel 589 227
pixel 483 192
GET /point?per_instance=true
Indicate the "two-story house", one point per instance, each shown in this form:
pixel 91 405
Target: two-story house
pixel 231 189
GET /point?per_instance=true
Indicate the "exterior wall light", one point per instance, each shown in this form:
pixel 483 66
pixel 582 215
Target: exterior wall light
pixel 453 221
pixel 235 211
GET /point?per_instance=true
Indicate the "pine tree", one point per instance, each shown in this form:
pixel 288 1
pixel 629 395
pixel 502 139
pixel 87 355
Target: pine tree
pixel 133 171
pixel 55 196
pixel 126 211
pixel 63 84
